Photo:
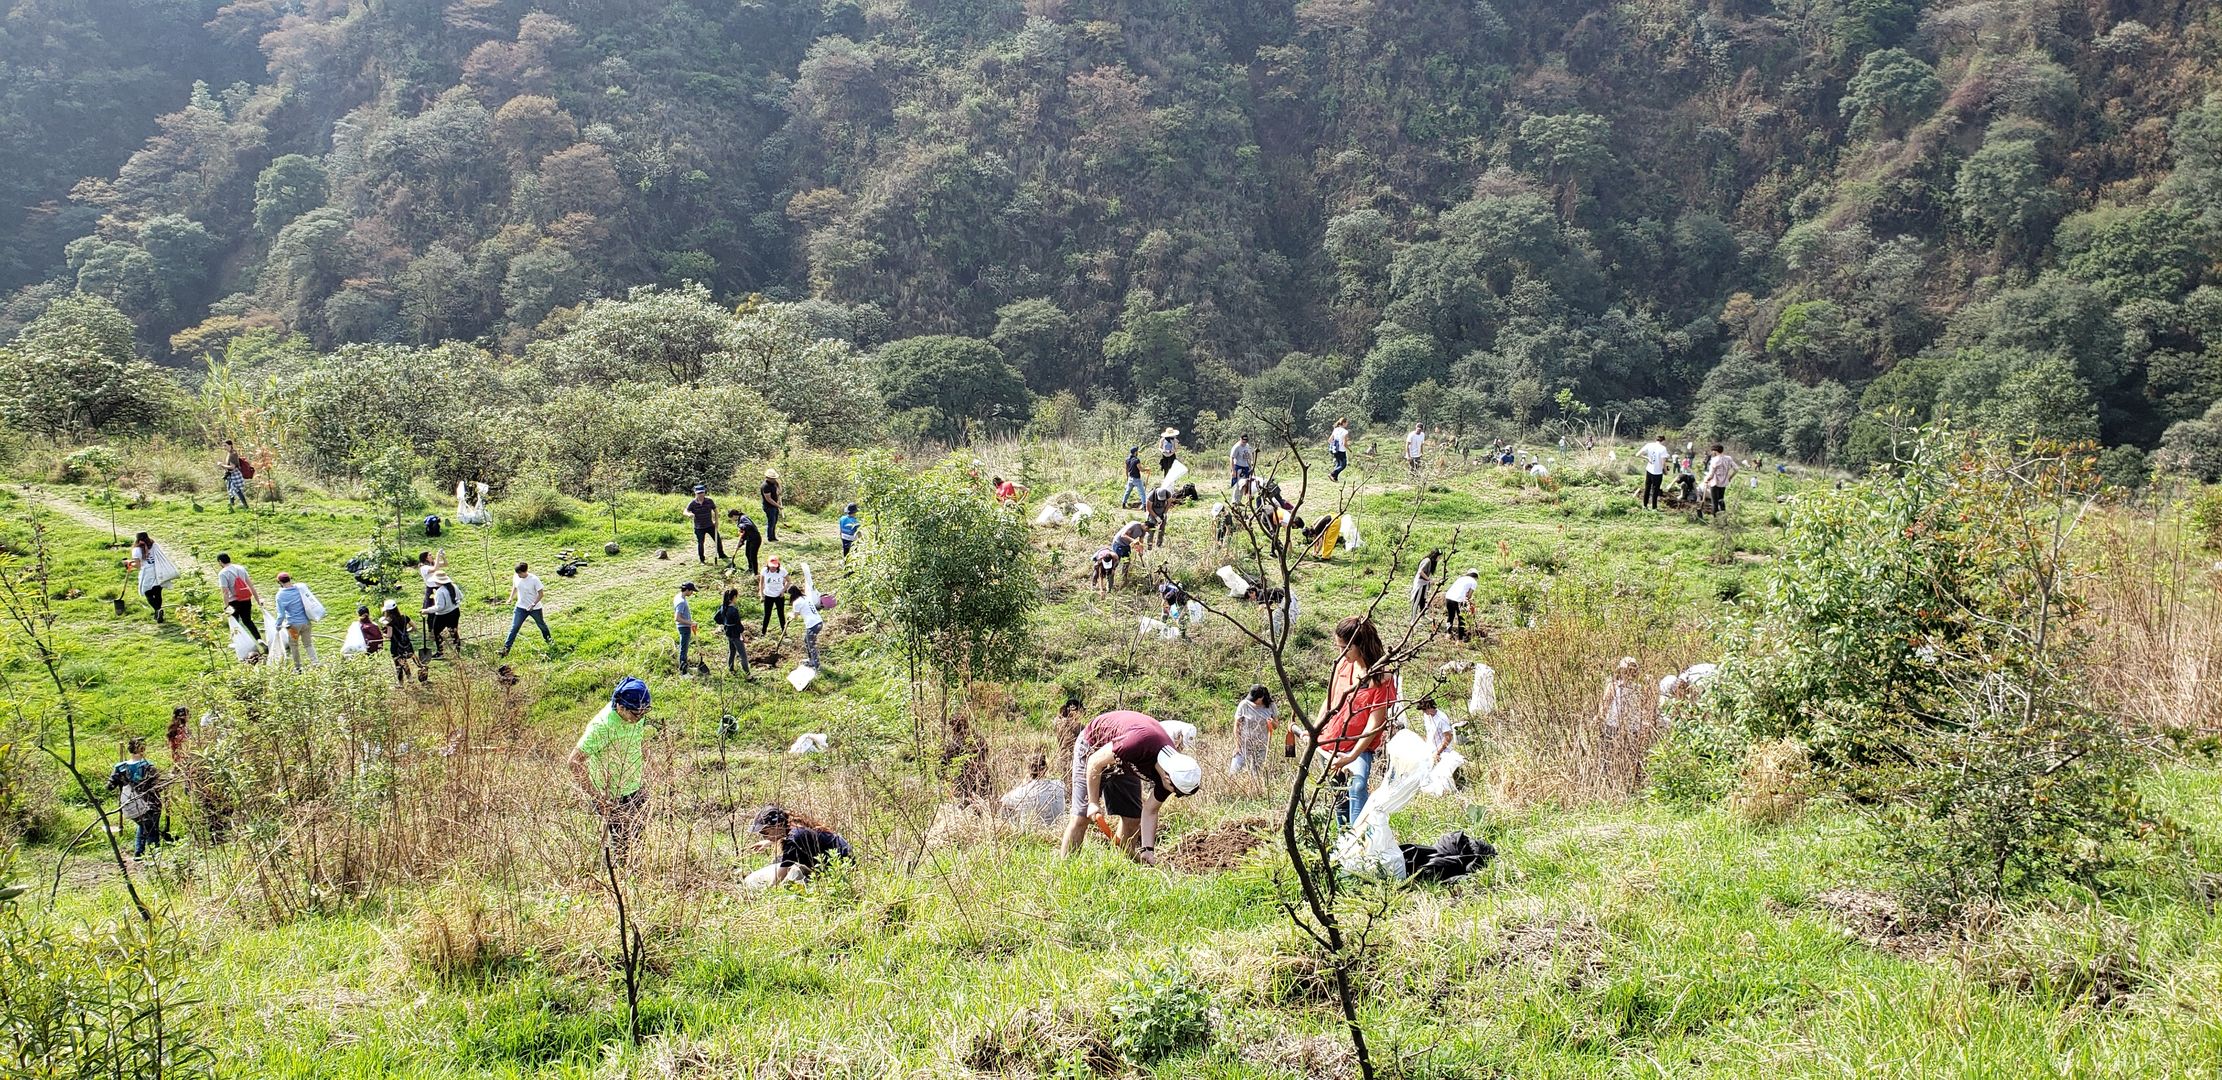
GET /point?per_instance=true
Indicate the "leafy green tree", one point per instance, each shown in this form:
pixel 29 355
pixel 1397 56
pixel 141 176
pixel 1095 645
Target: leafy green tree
pixel 653 335
pixel 1815 420
pixel 1893 89
pixel 2132 252
pixel 960 381
pixel 823 386
pixel 952 569
pixel 1040 339
pixel 290 186
pixel 1812 338
pixel 1393 366
pixel 2003 195
pixel 1740 401
pixel 389 471
pixel 73 372
pixel 2194 447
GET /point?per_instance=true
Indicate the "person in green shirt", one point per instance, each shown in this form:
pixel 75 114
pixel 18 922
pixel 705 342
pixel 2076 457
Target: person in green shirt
pixel 609 764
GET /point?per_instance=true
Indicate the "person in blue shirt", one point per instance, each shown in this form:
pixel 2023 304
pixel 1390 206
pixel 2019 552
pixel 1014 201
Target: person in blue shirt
pixel 140 783
pixel 851 528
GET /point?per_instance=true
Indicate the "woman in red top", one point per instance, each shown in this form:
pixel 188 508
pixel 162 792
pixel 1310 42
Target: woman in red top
pixel 1355 715
pixel 1140 751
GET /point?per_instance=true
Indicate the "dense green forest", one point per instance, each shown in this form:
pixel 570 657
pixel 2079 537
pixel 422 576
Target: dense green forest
pixel 1773 223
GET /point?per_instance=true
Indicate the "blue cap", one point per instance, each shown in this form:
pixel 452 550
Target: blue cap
pixel 701 488
pixel 631 693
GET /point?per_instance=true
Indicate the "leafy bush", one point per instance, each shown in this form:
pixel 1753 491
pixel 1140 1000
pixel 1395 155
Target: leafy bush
pixel 103 1000
pixel 809 481
pixel 2204 513
pixel 91 465
pixel 1160 1010
pixel 176 482
pixel 536 505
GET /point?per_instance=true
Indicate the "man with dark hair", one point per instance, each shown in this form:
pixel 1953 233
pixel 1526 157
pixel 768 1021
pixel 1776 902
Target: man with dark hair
pixel 704 510
pixel 238 591
pixel 1719 473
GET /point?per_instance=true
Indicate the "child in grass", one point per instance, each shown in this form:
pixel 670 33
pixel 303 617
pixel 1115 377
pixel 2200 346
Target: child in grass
pixel 729 619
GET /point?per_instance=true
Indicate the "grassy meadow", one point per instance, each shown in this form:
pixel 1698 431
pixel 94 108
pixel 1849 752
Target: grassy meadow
pixel 468 930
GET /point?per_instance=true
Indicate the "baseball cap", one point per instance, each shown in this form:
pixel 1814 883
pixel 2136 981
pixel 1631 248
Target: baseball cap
pixel 631 693
pixel 1182 770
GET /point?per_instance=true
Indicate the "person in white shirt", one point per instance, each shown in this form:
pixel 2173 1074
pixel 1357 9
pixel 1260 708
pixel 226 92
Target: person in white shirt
pixel 773 592
pixel 808 602
pixel 1436 724
pixel 682 614
pixel 525 592
pixel 1654 455
pixel 1719 473
pixel 444 614
pixel 1457 599
pixel 1412 444
pixel 1253 727
pixel 1338 444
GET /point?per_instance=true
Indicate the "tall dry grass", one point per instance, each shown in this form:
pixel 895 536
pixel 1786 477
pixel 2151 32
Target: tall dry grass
pixel 2154 616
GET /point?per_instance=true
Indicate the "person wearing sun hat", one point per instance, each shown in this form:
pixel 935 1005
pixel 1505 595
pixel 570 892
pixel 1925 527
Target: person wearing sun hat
pixel 773 504
pixel 1168 448
pixel 1124 765
pixel 610 766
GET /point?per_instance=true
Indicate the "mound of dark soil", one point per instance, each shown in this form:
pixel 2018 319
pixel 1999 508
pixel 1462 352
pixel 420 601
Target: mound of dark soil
pixel 1218 849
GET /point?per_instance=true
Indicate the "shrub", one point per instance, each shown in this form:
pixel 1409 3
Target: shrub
pixel 810 481
pixel 2204 512
pixel 1773 782
pixel 176 482
pixel 91 465
pixel 1160 1010
pixel 536 505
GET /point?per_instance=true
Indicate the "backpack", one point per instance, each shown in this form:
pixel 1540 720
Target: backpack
pixel 432 525
pixel 246 469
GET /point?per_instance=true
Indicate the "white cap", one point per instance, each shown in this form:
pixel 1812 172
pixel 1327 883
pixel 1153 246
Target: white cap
pixel 1182 770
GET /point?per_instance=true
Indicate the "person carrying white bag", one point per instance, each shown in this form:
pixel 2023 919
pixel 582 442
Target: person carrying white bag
pixel 295 615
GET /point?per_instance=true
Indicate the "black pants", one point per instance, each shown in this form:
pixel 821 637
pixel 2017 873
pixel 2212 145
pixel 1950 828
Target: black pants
pixel 444 628
pixel 734 652
pixel 1720 499
pixel 244 611
pixel 750 547
pixel 1165 463
pixel 1654 489
pixel 771 523
pixel 154 600
pixel 622 818
pixel 771 604
pixel 712 533
pixel 1455 616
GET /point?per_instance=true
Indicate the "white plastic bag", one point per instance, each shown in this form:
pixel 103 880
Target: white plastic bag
pixel 311 604
pixel 354 645
pixel 1082 513
pixel 1195 612
pixel 1234 582
pixel 1483 701
pixel 1051 516
pixel 1368 846
pixel 801 677
pixel 1441 779
pixel 813 743
pixel 1350 532
pixel 1147 626
pixel 761 878
pixel 1183 733
pixel 273 631
pixel 243 643
pixel 1173 476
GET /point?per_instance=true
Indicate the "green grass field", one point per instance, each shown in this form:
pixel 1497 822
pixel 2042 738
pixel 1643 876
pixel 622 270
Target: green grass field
pixel 1611 938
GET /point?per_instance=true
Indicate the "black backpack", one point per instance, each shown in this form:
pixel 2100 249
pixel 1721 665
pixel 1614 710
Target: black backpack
pixel 432 525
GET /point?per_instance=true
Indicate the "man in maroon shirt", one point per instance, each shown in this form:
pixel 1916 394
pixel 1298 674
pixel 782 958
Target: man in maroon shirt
pixel 1137 754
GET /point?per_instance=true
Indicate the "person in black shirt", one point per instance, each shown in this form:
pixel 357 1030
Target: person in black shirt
pixel 804 845
pixel 746 535
pixel 772 505
pixel 729 619
pixel 704 511
pixel 1133 478
pixel 1154 512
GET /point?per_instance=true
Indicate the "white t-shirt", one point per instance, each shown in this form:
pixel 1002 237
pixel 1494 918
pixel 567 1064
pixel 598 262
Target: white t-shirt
pixel 1412 444
pixel 1654 454
pixel 775 582
pixel 1438 726
pixel 1339 440
pixel 1462 590
pixel 528 589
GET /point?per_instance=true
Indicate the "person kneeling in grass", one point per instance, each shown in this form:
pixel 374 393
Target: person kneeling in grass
pixel 805 846
pixel 1127 744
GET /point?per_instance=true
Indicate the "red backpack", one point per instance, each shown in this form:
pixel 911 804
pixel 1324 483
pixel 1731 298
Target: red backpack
pixel 246 469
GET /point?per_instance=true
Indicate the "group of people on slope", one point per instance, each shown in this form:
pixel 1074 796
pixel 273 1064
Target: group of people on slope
pixel 748 540
pixel 775 591
pixel 1717 469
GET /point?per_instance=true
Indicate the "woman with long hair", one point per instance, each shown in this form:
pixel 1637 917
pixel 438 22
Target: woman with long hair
pixel 1355 717
pixel 805 846
pixel 155 570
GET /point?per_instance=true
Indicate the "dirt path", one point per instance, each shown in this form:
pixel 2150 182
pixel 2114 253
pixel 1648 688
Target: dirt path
pixel 96 521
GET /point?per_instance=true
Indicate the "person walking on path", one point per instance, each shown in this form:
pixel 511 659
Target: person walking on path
pixel 236 473
pixel 1253 731
pixel 1719 473
pixel 298 612
pixel 772 589
pixel 851 529
pixel 682 613
pixel 1355 714
pixel 1168 449
pixel 446 621
pixel 1133 478
pixel 525 595
pixel 1338 444
pixel 1456 600
pixel 1139 749
pixel 401 643
pixel 1654 455
pixel 155 570
pixel 1242 461
pixel 140 782
pixel 609 764
pixel 238 591
pixel 747 537
pixel 728 618
pixel 704 511
pixel 1412 445
pixel 773 504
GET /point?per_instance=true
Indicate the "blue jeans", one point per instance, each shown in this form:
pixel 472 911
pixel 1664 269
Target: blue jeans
pixel 686 637
pixel 1342 461
pixel 517 622
pixel 1353 799
pixel 1134 488
pixel 149 834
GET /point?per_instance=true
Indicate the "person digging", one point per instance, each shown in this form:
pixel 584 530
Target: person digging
pixel 1124 765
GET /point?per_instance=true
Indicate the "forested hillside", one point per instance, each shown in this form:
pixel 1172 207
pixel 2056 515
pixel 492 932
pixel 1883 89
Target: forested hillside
pixel 1762 220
